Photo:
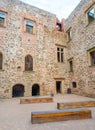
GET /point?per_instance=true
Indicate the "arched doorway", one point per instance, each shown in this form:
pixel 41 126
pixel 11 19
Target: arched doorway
pixel 18 90
pixel 35 90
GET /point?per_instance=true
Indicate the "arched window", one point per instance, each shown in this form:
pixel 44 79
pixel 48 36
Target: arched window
pixel 28 63
pixel 35 90
pixel 1 60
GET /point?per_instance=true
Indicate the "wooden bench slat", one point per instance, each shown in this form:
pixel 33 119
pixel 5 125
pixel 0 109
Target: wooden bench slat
pixel 35 100
pixel 52 116
pixel 76 104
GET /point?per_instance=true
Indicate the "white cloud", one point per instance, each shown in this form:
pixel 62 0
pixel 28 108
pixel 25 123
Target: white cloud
pixel 62 8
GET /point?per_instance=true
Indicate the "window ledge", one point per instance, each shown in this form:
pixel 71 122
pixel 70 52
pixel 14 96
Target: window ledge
pixel 2 70
pixel 28 71
pixel 92 66
pixel 2 26
pixel 71 71
pixel 89 23
pixel 29 33
pixel 60 62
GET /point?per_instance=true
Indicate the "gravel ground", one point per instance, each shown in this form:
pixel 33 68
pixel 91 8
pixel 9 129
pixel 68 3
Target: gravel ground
pixel 16 116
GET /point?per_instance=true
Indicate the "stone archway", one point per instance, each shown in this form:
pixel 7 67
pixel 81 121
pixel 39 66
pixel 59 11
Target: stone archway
pixel 35 90
pixel 18 90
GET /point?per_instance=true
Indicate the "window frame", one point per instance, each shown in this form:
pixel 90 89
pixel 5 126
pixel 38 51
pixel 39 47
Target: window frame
pixel 32 26
pixel 60 54
pixel 87 13
pixel 4 18
pixel 31 67
pixel 89 56
pixel 1 66
pixel 92 58
pixel 69 35
pixel 90 18
pixel 74 84
pixel 71 66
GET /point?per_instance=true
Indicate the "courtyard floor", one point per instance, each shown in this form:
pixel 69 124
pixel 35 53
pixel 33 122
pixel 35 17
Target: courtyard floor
pixel 16 116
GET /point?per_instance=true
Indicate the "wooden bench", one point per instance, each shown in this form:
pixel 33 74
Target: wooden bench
pixel 60 115
pixel 76 104
pixel 36 100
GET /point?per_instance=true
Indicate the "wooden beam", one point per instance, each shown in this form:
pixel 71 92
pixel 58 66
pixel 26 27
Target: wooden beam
pixel 76 104
pixel 36 100
pixel 60 115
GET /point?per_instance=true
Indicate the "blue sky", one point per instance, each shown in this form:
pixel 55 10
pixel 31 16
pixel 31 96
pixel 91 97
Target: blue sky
pixel 62 8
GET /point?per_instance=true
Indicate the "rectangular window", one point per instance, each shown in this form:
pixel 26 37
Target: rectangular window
pixel 71 65
pixel 60 54
pixel 2 19
pixel 1 60
pixel 69 34
pixel 91 15
pixel 92 55
pixel 58 86
pixel 29 26
pixel 74 84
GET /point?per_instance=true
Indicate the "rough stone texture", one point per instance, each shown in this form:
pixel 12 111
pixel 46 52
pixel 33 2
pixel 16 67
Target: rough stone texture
pixel 15 44
pixel 82 39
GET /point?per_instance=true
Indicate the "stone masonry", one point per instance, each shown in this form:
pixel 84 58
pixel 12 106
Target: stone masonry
pixel 42 45
pixel 82 40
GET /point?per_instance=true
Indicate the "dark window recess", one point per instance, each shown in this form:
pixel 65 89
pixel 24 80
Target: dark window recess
pixel 58 86
pixel 35 90
pixel 60 54
pixel 69 91
pixel 1 60
pixel 59 25
pixel 74 84
pixel 69 35
pixel 29 27
pixel 2 19
pixel 92 54
pixel 28 63
pixel 91 15
pixel 18 91
pixel 71 66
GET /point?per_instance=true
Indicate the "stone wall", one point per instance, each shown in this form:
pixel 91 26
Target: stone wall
pixel 82 39
pixel 15 44
pixel 42 45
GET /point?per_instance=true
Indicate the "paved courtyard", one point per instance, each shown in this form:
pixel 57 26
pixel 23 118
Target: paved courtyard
pixel 16 116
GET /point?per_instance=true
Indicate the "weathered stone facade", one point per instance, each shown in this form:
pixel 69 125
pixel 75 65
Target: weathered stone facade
pixel 82 40
pixel 15 44
pixel 42 45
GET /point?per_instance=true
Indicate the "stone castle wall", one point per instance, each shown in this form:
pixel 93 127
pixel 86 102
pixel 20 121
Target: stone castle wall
pixel 82 39
pixel 15 44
